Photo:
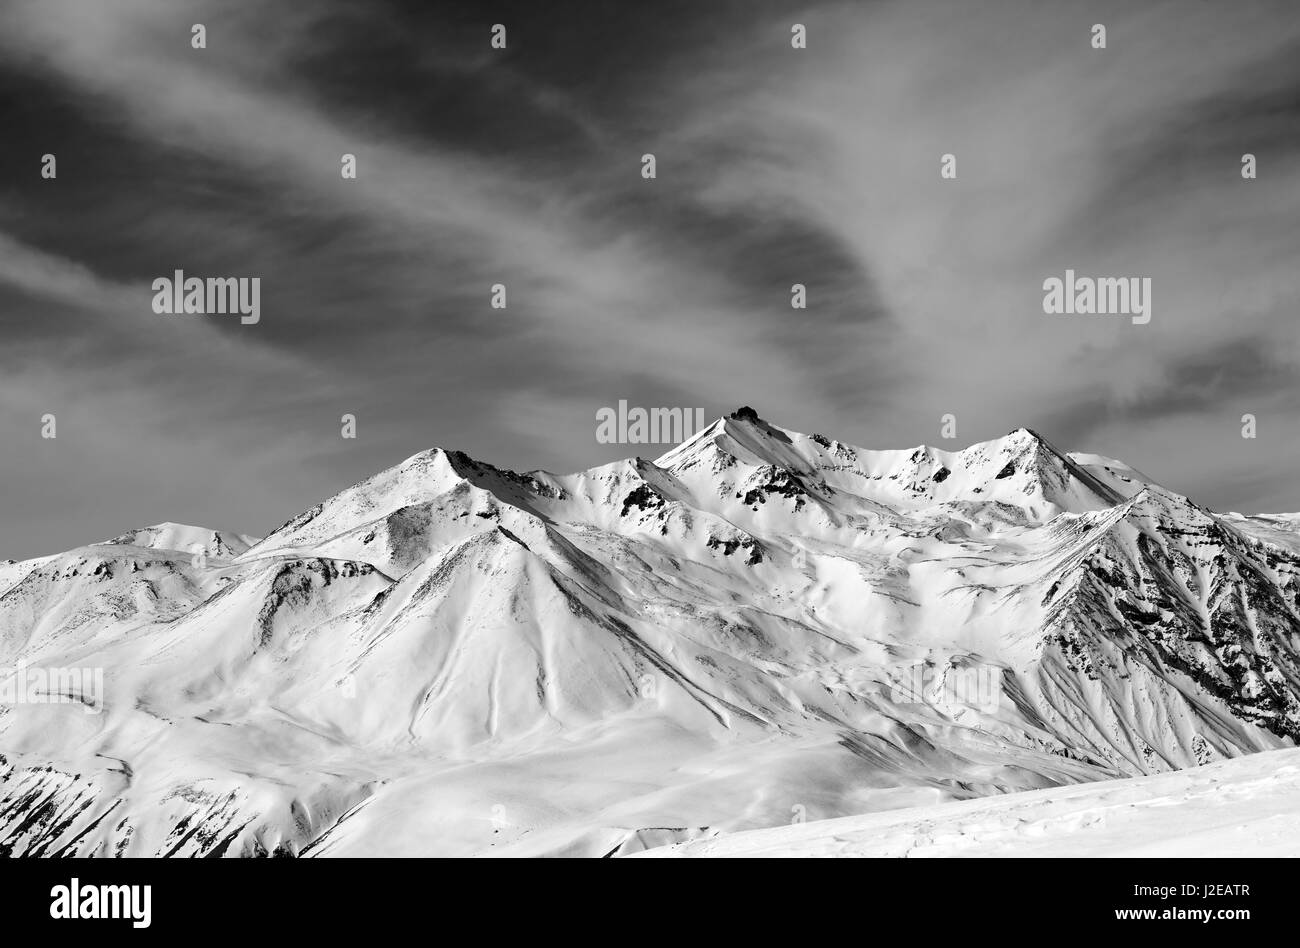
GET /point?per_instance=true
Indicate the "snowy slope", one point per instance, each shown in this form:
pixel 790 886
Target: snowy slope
pixel 451 658
pixel 1242 807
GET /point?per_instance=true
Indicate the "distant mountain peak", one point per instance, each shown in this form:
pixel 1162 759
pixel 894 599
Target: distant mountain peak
pixel 185 537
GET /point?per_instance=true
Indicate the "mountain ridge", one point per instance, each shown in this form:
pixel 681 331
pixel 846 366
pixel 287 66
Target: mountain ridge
pixel 754 620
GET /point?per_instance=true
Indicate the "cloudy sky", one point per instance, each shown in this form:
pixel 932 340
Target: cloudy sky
pixel 523 167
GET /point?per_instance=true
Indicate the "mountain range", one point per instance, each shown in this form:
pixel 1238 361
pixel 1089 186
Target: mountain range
pixel 757 628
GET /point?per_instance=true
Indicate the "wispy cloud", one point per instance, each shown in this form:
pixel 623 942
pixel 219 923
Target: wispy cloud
pixel 1067 156
pixel 776 166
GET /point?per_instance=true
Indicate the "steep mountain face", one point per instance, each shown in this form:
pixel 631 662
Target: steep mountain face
pixel 755 627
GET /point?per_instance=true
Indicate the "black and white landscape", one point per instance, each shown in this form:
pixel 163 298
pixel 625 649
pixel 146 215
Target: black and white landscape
pixel 255 251
pixel 758 628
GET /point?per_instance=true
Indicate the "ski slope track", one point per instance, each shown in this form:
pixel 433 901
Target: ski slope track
pixel 757 628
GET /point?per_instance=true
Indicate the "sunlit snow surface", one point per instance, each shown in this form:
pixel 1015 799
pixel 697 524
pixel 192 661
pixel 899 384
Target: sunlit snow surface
pixel 757 626
pixel 1243 807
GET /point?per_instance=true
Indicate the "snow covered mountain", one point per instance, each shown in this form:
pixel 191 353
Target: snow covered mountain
pixel 760 625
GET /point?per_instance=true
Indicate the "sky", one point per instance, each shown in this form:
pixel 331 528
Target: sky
pixel 523 166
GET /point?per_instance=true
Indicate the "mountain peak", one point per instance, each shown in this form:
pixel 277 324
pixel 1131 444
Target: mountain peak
pixel 994 618
pixel 184 537
pixel 1027 438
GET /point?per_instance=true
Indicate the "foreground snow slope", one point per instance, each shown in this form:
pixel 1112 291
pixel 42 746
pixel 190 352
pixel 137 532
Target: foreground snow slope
pixel 1242 807
pixel 450 658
